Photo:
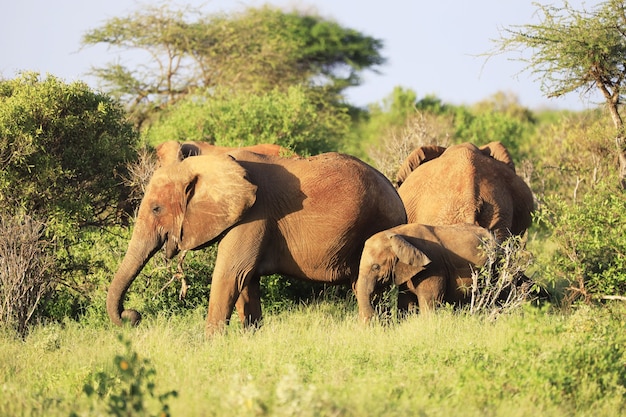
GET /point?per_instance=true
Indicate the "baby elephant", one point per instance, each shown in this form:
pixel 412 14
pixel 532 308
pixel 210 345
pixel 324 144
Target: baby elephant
pixel 430 264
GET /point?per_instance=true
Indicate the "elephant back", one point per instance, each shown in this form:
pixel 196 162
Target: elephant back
pixel 465 185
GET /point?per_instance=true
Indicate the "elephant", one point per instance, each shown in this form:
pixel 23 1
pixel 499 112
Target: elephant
pixel 305 218
pixel 466 184
pixel 434 263
pixel 172 151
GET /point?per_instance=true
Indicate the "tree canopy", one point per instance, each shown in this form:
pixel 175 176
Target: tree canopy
pixel 257 49
pixel 578 50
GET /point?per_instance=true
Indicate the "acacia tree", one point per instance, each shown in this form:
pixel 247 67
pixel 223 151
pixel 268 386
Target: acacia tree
pixel 578 50
pixel 255 50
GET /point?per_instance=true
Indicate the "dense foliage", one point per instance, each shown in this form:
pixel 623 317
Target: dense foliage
pixel 590 243
pixel 292 119
pixel 63 156
pixel 63 151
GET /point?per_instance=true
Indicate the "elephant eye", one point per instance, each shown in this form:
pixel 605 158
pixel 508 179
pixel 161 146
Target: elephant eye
pixel 156 210
pixel 376 267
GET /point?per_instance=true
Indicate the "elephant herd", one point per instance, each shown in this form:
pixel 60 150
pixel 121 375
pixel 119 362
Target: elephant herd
pixel 329 218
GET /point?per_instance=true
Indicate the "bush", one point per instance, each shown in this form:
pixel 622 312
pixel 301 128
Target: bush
pixel 25 271
pixel 293 119
pixel 572 155
pixel 62 150
pixel 397 143
pixel 63 154
pixel 501 286
pixel 591 244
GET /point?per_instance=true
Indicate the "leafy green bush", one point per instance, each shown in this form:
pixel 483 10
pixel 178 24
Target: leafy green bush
pixel 293 119
pixel 62 150
pixel 591 243
pixel 63 154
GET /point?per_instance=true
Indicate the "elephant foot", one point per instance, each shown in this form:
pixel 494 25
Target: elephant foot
pixel 214 329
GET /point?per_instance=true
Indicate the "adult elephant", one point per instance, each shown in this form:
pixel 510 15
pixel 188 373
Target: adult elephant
pixel 172 151
pixel 306 218
pixel 465 184
pixel 434 263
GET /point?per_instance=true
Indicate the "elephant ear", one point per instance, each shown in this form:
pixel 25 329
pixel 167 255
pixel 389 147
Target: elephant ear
pixel 407 254
pixel 416 158
pixel 168 153
pixel 497 151
pixel 188 149
pixel 218 194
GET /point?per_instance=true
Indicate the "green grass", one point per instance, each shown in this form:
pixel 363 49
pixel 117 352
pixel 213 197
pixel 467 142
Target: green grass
pixel 317 360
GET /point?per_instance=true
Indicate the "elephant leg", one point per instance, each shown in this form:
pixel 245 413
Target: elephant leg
pixel 430 292
pixel 221 304
pixel 225 290
pixel 249 304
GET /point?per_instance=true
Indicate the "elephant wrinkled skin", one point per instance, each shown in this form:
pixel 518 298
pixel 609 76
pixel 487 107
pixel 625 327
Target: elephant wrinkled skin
pixel 306 218
pixel 434 263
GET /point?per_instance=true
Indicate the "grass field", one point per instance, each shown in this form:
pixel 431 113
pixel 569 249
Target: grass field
pixel 317 360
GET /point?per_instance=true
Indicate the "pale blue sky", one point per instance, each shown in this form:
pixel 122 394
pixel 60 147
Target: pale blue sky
pixel 431 46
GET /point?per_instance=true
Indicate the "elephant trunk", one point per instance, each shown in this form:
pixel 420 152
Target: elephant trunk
pixel 364 289
pixel 135 259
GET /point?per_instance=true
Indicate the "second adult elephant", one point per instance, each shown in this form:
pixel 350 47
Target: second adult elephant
pixel 466 184
pixel 172 151
pixel 434 263
pixel 306 218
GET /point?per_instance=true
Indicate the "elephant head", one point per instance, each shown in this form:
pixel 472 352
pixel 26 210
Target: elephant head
pixel 183 208
pixel 387 256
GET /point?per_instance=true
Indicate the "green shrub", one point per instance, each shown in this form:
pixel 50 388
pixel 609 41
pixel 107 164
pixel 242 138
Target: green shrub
pixel 63 154
pixel 571 155
pixel 293 119
pixel 590 242
pixel 63 149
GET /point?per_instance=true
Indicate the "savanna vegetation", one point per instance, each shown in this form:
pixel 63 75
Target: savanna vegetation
pixel 74 161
